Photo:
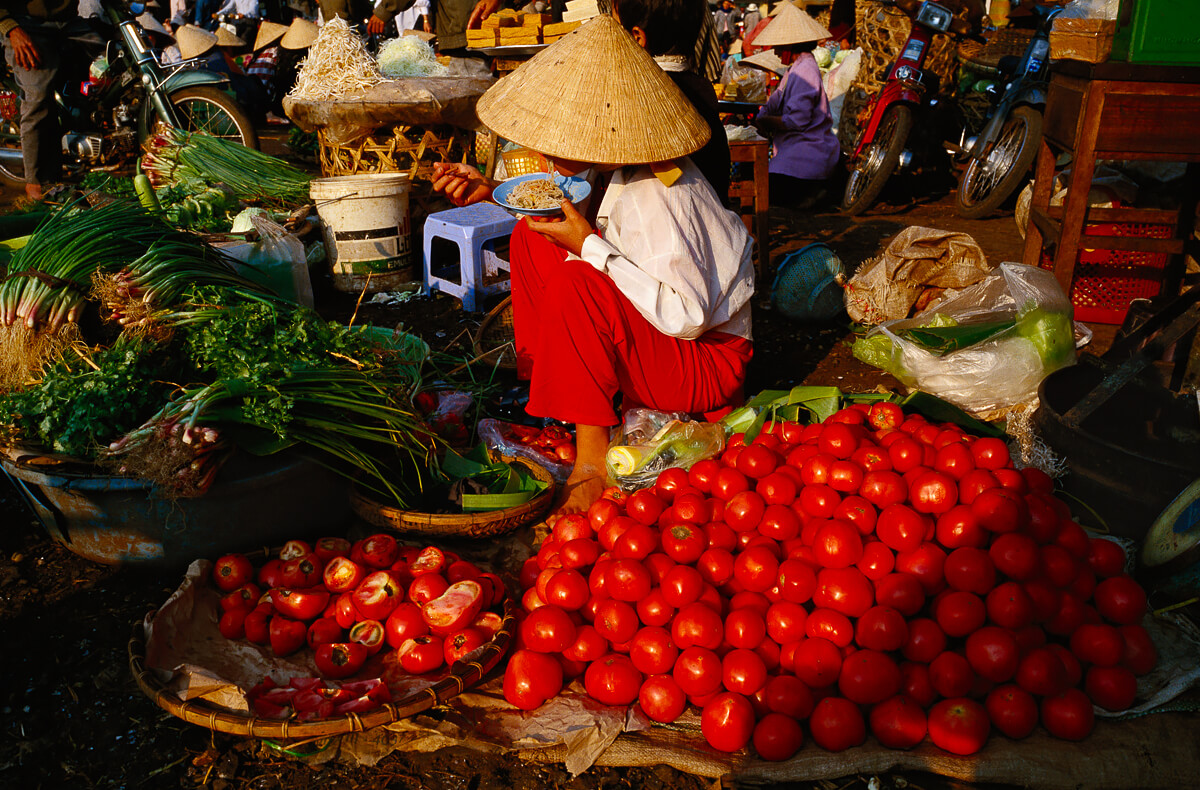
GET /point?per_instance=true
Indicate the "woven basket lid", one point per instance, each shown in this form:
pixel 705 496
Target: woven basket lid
pixel 790 26
pixel 194 41
pixel 767 60
pixel 300 35
pixel 594 96
pixel 268 33
pixel 227 38
pixel 152 25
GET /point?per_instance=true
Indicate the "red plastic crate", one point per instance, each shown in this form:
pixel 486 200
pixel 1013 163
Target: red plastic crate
pixel 1106 281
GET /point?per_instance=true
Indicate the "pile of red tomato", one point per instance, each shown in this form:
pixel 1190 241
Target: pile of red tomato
pixel 553 442
pixel 348 602
pixel 873 573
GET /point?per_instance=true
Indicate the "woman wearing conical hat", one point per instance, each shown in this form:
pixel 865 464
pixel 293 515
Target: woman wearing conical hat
pixel 796 116
pixel 645 296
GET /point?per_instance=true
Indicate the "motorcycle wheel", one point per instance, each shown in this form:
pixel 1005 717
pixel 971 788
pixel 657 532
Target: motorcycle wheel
pixel 12 173
pixel 878 161
pixel 204 108
pixel 988 182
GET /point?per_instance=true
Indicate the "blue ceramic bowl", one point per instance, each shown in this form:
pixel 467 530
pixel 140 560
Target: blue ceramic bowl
pixel 576 190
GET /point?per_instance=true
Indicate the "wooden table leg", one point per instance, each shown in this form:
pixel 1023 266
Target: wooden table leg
pixel 1043 186
pixel 762 204
pixel 1083 166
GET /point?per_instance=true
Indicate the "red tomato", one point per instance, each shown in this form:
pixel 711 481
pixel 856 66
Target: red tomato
pixel 788 695
pixel 729 482
pixel 682 585
pixel 616 621
pixel 613 680
pixel 567 589
pixel 548 629
pixel 797 580
pixel 900 591
pixel 662 699
pixel 756 568
pixel 1112 688
pixel 589 645
pixel 885 415
pixel 777 737
pixel 669 482
pixel 1016 555
pixel 927 562
pixel 703 474
pixel 993 653
pixel 836 724
pixel 743 671
pixel 845 476
pixel 954 459
pixel 644 506
pixel 844 590
pixel 868 677
pixel 831 625
pixel 817 662
pixel 882 488
pixel 579 553
pixel 900 527
pixel 1098 644
pixel 926 640
pixel 881 628
pixel 757 461
pixel 1058 566
pixel 916 683
pixel 786 622
pixel 423 654
pixel 1039 482
pixel 636 543
pixel 970 570
pixel 1068 715
pixel 1001 510
pixel 958 528
pixel 951 675
pixel 959 613
pixel 838 439
pixel 421 590
pixel 959 725
pixel 697 624
pixel 404 623
pixel 233 571
pixel 819 500
pixel 698 671
pixel 744 511
pixel 906 454
pixel 1120 600
pixel 627 579
pixel 1106 557
pixel 838 544
pixel 716 566
pixel 1139 654
pixel 898 722
pixel 974 483
pixel 990 453
pixel 1041 672
pixel 745 628
pixel 877 560
pixel 1072 665
pixel 727 722
pixel 1012 710
pixel 603 511
pixel 1009 606
pixel 933 492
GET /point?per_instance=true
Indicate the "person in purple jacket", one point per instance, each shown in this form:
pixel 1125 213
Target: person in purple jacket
pixel 796 116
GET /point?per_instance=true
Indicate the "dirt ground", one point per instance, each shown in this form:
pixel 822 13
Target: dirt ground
pixel 73 717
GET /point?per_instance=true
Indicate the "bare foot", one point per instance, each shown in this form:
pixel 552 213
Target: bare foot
pixel 34 191
pixel 580 491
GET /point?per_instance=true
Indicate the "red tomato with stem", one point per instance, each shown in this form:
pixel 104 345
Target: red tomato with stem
pixel 613 680
pixel 1012 710
pixel 817 662
pixel 727 722
pixel 881 628
pixel 661 698
pixel 959 725
pixel 698 671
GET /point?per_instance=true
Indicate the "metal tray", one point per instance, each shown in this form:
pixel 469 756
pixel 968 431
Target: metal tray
pixel 513 50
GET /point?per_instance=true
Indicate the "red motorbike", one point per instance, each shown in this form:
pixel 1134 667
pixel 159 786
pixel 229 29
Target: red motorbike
pixel 910 90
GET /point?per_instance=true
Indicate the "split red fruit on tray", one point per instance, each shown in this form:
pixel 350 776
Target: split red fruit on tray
pixel 244 597
pixel 422 654
pixel 338 660
pixel 301 572
pixel 232 571
pixel 328 548
pixel 377 595
pixel 324 630
pixel 377 551
pixel 455 609
pixel 370 634
pixel 286 635
pixel 461 643
pixel 342 574
pixel 294 549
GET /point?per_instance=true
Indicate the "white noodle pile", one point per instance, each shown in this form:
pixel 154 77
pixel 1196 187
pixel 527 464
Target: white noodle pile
pixel 1031 449
pixel 409 56
pixel 337 65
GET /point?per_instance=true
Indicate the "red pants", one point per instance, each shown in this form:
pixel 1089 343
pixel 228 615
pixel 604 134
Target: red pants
pixel 580 341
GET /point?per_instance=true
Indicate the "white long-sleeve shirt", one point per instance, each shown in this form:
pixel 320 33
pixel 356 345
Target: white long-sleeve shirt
pixel 680 257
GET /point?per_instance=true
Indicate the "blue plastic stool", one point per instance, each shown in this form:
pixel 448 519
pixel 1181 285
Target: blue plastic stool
pixel 471 228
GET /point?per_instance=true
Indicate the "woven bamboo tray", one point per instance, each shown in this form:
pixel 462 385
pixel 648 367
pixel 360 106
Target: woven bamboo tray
pixel 463 675
pixel 459 525
pixel 495 336
pixel 985 57
pixel 403 149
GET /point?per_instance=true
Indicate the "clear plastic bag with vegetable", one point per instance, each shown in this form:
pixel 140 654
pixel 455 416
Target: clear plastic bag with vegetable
pixel 986 348
pixel 652 441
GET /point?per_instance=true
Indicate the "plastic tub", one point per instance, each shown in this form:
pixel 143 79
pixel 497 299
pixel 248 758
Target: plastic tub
pixel 368 235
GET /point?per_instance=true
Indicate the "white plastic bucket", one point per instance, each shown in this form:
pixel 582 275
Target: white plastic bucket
pixel 368 237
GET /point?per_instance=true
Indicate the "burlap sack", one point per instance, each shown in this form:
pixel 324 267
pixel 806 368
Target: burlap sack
pixel 916 260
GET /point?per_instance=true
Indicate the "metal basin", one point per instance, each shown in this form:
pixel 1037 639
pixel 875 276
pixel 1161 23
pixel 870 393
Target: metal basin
pixel 254 502
pixel 1131 457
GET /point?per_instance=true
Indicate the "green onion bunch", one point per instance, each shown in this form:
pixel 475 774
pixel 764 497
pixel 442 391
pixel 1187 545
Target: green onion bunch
pixel 175 156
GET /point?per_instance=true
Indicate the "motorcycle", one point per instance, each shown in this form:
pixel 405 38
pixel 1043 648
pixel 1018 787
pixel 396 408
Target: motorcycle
pixel 882 146
pixel 115 94
pixel 1002 154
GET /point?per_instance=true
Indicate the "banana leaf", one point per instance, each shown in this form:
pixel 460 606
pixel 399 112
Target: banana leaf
pixel 942 340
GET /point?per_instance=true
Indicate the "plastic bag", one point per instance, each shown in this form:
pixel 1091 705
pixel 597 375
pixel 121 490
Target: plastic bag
pixel 743 83
pixel 275 259
pixel 986 348
pixel 652 441
pixel 533 444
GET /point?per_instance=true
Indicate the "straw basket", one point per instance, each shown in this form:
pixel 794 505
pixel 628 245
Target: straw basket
pixel 881 32
pixel 402 149
pixel 463 675
pixel 1089 40
pixel 495 336
pixel 459 525
pixel 984 58
pixel 523 161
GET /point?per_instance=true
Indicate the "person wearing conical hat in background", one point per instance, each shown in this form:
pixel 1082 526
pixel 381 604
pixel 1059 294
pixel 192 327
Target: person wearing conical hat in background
pixel 668 30
pixel 159 39
pixel 648 301
pixel 796 115
pixel 264 65
pixel 215 53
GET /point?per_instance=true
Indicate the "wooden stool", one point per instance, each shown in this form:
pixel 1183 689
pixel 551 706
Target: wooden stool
pixel 1114 111
pixel 751 198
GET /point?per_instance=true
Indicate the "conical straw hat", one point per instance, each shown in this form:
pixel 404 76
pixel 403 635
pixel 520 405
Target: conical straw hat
pixel 152 25
pixel 194 41
pixel 767 60
pixel 227 38
pixel 791 26
pixel 594 96
pixel 268 33
pixel 300 35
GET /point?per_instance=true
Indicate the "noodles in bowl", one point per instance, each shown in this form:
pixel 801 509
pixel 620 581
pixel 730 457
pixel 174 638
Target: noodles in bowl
pixel 540 194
